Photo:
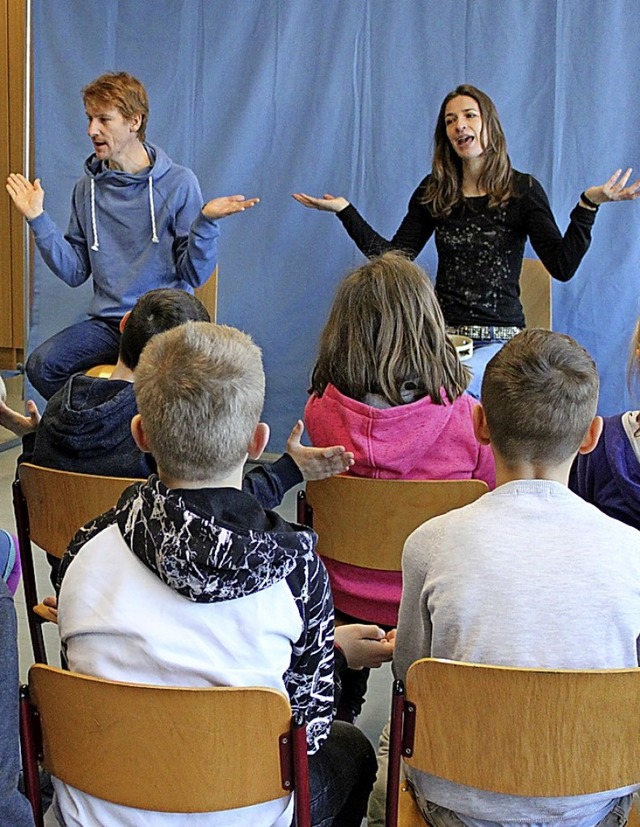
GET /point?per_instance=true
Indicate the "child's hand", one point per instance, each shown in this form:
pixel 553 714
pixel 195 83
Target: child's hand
pixel 17 423
pixel 364 645
pixel 52 604
pixel 317 463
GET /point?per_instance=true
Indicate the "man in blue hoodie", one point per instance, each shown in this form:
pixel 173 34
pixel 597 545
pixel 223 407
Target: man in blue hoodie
pixel 137 223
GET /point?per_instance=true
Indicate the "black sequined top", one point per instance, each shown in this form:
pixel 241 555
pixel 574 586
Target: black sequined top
pixel 480 250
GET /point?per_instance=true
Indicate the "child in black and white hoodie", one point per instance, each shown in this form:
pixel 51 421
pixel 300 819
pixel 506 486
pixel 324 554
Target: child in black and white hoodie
pixel 189 581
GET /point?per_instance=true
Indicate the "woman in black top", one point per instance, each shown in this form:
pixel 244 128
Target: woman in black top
pixel 482 212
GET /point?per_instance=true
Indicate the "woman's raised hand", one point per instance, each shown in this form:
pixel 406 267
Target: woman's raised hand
pixel 328 203
pixel 615 189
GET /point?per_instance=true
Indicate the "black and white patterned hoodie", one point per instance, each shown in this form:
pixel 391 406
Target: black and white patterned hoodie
pixel 258 575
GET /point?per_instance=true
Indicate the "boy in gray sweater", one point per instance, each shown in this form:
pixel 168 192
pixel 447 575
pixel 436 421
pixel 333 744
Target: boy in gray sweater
pixel 529 575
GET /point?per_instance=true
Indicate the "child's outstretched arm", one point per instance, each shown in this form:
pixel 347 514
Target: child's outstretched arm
pixel 317 463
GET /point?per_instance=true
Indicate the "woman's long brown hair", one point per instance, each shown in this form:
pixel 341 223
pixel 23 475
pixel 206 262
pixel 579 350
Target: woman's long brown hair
pixel 444 190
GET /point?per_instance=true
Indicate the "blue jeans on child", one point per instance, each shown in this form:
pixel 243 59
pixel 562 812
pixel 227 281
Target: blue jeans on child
pixel 74 349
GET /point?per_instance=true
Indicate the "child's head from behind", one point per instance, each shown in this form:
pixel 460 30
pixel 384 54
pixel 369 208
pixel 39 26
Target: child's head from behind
pixel 153 313
pixel 539 395
pixel 385 328
pixel 200 391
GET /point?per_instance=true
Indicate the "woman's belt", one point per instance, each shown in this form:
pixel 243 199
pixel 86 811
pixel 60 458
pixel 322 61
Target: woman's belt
pixel 485 332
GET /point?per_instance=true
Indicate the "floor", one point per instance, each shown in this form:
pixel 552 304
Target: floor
pixel 376 708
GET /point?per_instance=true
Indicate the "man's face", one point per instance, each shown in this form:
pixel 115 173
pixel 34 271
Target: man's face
pixel 112 135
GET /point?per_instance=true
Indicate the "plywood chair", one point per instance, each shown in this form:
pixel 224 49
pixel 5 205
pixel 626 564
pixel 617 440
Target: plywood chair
pixel 208 295
pixel 365 522
pixel 535 293
pixel 530 732
pixel 50 506
pixel 162 748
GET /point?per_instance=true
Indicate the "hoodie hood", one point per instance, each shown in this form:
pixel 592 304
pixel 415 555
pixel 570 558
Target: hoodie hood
pixel 160 165
pixel 201 557
pixel 419 440
pixel 85 428
pixel 98 170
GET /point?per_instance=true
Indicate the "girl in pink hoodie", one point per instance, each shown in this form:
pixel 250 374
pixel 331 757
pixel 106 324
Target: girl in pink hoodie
pixel 389 386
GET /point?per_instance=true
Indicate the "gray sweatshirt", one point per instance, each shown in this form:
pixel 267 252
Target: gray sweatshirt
pixel 529 575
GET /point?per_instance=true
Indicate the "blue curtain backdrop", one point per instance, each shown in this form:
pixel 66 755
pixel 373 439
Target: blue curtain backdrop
pixel 269 97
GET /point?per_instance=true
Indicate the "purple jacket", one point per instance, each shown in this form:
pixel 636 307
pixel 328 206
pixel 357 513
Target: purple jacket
pixel 609 477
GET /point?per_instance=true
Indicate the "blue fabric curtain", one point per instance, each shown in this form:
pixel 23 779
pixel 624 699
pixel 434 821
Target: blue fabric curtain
pixel 269 97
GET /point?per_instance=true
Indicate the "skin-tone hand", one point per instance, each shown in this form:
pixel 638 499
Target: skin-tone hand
pixel 364 645
pixel 52 603
pixel 317 463
pixel 17 423
pixel 615 189
pixel 228 205
pixel 328 203
pixel 28 197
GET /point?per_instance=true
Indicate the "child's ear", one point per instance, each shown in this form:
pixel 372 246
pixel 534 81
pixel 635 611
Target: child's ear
pixel 592 436
pixel 480 428
pixel 258 441
pixel 124 320
pixel 139 435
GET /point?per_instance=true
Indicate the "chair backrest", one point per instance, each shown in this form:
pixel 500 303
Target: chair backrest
pixel 61 502
pixel 530 732
pixel 50 506
pixel 365 522
pixel 170 749
pixel 535 294
pixel 208 294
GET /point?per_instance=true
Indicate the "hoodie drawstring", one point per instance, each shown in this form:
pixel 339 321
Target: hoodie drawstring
pixel 94 225
pixel 154 236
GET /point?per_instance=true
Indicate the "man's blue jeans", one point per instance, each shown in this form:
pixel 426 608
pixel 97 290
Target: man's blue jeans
pixel 74 349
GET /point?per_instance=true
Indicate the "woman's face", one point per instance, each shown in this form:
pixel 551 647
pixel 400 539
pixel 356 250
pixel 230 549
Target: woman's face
pixel 463 122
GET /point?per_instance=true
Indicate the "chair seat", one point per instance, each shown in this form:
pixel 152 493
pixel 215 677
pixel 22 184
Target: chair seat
pixel 101 371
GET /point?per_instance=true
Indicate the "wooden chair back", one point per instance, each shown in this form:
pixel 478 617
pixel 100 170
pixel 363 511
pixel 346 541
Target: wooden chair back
pixel 208 294
pixel 535 294
pixel 169 749
pixel 528 732
pixel 365 522
pixel 50 506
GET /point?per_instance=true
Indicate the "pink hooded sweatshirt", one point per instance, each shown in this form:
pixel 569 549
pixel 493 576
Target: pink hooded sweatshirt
pixel 416 441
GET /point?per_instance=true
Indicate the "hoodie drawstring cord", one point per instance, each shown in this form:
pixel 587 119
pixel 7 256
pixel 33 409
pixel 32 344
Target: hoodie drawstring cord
pixel 94 226
pixel 154 237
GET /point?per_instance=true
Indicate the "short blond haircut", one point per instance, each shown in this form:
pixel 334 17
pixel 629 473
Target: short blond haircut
pixel 200 392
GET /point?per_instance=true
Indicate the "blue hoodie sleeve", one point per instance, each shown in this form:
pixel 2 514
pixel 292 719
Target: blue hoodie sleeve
pixel 67 256
pixel 195 248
